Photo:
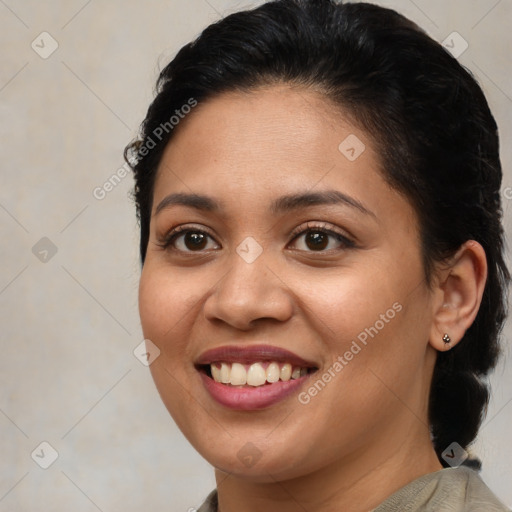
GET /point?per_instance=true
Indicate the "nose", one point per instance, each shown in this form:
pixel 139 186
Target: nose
pixel 248 294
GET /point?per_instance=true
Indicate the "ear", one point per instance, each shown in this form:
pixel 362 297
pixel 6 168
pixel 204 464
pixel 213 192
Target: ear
pixel 458 294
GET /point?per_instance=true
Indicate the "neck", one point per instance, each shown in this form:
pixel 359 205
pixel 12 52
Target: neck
pixel 359 483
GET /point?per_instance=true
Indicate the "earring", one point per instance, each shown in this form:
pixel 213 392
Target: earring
pixel 447 340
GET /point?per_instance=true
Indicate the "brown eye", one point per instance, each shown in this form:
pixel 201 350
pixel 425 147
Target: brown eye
pixel 316 240
pixel 195 241
pixel 182 239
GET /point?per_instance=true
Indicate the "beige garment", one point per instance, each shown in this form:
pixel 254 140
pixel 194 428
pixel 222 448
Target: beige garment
pixel 448 490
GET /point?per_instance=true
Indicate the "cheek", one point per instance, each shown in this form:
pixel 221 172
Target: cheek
pixel 166 308
pixel 343 302
pixel 166 299
pixel 375 318
pixel 370 324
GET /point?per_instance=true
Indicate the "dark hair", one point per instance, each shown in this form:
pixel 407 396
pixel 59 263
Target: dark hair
pixel 427 117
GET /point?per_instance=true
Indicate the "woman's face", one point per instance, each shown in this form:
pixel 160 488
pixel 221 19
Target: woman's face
pixel 292 255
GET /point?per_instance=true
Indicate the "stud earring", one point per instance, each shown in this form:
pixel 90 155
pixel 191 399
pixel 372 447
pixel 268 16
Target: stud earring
pixel 447 340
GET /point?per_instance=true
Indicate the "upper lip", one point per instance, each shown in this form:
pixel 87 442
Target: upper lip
pixel 248 354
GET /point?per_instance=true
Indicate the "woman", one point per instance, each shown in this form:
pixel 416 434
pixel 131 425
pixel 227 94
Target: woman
pixel 317 186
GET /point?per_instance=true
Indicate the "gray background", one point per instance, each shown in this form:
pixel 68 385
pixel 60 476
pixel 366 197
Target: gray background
pixel 68 375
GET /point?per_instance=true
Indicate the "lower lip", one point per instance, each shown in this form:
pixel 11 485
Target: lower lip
pixel 248 398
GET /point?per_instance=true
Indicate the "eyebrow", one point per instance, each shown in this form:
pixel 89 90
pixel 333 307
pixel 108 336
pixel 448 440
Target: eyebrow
pixel 302 200
pixel 200 202
pixel 281 205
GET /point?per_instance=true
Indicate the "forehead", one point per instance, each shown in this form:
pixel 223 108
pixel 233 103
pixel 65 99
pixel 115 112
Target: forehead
pixel 271 135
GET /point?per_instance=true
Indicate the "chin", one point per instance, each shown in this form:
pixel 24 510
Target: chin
pixel 276 461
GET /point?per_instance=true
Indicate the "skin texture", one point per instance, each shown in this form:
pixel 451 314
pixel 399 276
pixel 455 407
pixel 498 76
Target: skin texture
pixel 366 433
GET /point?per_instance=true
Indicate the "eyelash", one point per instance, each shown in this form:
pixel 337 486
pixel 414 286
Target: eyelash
pixel 322 228
pixel 171 237
pixel 174 233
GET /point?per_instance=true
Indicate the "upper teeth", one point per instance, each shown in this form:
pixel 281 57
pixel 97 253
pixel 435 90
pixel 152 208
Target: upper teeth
pixel 255 374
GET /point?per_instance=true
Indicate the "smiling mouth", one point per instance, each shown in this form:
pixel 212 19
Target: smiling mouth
pixel 257 374
pixel 247 377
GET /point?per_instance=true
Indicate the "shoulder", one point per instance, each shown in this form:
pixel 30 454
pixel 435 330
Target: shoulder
pixel 210 504
pixel 452 490
pixel 448 490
